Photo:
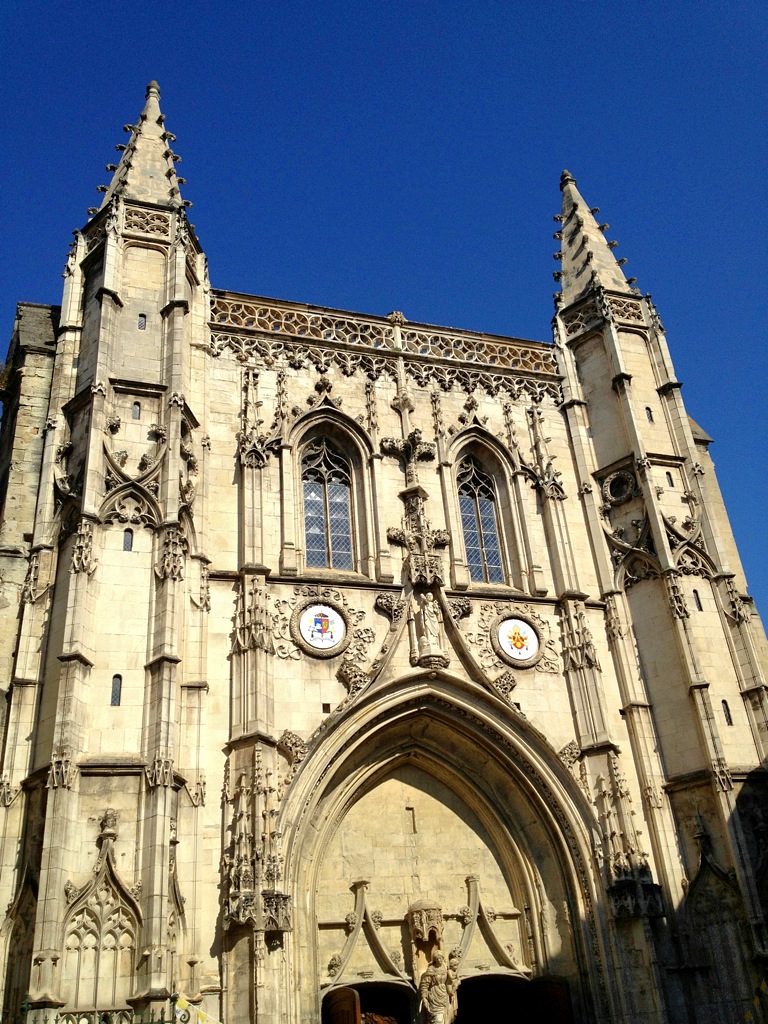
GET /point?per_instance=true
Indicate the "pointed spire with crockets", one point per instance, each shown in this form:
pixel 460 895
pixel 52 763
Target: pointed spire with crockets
pixel 586 257
pixel 147 168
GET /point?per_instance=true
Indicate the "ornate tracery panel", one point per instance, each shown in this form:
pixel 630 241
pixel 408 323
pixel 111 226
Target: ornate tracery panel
pixel 99 949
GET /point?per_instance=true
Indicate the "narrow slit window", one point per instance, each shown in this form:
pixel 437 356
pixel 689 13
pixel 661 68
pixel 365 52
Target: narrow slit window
pixel 670 481
pixel 136 411
pixel 479 521
pixel 727 713
pixel 128 540
pixel 117 691
pixel 142 322
pixel 327 486
pixel 648 414
pixel 697 601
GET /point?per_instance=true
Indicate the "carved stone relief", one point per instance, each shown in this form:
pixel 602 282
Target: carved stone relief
pixel 82 554
pixel 172 561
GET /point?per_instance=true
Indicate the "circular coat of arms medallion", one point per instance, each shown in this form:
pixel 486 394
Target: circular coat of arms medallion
pixel 516 641
pixel 319 628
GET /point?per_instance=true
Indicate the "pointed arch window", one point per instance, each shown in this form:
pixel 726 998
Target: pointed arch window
pixel 327 485
pixel 480 522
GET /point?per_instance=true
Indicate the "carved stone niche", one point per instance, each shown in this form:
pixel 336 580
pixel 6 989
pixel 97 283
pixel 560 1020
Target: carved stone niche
pixel 277 911
pixel 425 919
pixel 636 898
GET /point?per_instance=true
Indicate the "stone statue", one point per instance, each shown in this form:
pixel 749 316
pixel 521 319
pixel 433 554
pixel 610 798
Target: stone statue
pixel 425 623
pixel 437 990
pixel 429 621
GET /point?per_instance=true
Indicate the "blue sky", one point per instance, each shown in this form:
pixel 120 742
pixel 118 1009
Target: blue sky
pixel 376 156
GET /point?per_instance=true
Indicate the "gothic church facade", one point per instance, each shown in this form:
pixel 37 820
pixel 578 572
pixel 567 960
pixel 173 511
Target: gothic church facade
pixel 330 641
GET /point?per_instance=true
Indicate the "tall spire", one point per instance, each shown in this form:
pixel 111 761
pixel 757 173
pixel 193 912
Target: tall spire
pixel 147 170
pixel 587 258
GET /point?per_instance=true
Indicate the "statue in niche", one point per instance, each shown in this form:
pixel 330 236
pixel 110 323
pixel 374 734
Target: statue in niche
pixel 437 990
pixel 428 622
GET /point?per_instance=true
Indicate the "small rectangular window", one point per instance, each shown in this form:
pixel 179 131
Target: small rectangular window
pixel 136 411
pixel 142 324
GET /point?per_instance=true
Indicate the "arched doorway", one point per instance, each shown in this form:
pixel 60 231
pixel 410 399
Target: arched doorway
pixel 375 1002
pixel 500 998
pixel 430 803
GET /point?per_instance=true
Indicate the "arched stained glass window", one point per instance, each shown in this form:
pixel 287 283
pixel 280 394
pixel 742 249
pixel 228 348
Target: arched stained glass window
pixel 117 691
pixel 327 507
pixel 477 502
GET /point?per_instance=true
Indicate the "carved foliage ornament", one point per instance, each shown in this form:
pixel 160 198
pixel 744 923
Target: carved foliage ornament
pixel 274 625
pixel 423 373
pixel 392 606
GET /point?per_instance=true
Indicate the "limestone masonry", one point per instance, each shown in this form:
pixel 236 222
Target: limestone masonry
pixel 364 670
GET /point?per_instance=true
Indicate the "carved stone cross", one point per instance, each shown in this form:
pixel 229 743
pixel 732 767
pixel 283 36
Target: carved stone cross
pixel 411 450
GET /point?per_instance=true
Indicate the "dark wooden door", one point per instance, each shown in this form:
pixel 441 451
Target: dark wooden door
pixel 342 1006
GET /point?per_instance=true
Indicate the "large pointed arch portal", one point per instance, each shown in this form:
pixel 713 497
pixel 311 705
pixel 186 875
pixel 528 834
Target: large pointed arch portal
pixel 441 822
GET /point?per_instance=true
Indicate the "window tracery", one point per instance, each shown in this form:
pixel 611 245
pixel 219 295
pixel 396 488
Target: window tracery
pixel 479 520
pixel 327 486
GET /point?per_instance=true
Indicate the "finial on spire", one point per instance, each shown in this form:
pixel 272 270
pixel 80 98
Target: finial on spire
pixel 566 178
pixel 153 87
